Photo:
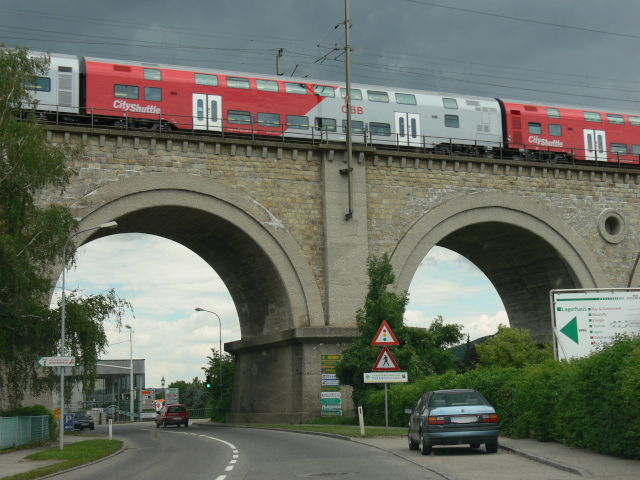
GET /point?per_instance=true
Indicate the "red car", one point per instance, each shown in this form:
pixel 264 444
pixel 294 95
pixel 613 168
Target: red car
pixel 172 415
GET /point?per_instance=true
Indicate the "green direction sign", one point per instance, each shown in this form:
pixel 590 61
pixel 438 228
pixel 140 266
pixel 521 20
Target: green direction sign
pixel 326 401
pixel 571 330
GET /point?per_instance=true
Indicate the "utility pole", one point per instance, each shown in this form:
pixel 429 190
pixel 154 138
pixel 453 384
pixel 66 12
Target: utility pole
pixel 347 49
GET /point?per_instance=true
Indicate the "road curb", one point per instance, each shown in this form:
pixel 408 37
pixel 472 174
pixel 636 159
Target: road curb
pixel 547 461
pixel 122 449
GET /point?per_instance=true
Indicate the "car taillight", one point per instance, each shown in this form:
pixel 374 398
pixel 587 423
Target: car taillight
pixel 493 418
pixel 435 420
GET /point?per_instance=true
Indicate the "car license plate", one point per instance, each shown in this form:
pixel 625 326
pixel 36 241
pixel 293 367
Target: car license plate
pixel 466 419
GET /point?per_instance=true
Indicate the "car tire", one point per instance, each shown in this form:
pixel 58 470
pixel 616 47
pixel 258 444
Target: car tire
pixel 91 427
pixel 412 445
pixel 178 425
pixel 186 424
pixel 475 445
pixel 164 424
pixel 492 447
pixel 424 448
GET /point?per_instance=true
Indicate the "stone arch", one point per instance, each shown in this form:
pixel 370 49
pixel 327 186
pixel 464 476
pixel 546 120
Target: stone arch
pixel 522 247
pixel 261 264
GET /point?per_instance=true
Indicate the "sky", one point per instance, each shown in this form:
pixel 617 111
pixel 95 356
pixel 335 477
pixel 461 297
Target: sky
pixel 571 52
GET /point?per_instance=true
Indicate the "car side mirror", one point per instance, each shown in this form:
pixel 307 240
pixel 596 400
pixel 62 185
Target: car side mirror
pixel 408 410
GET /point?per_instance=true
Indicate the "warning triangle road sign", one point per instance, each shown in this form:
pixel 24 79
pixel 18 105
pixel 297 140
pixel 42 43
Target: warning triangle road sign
pixel 385 362
pixel 384 336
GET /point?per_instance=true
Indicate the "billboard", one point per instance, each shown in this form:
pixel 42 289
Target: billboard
pixel 583 319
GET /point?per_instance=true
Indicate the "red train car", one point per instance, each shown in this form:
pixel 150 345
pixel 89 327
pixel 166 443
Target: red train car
pixel 152 95
pixel 556 132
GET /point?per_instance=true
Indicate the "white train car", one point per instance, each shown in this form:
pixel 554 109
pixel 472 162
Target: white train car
pixel 59 91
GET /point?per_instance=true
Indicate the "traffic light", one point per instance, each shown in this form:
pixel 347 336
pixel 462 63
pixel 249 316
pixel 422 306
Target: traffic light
pixel 208 382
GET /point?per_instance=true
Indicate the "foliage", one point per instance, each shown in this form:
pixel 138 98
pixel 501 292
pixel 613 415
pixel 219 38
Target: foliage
pixel 32 238
pixel 511 347
pixel 590 402
pixel 421 351
pixel 220 406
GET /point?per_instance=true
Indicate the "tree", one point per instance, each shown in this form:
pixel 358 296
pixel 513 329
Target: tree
pixel 512 347
pixel 421 351
pixel 32 238
pixel 220 407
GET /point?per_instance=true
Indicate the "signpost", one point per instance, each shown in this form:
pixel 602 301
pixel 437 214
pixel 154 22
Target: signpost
pixel 386 377
pixel 56 361
pixel 331 396
pixel 582 319
pixel 172 396
pixel 385 363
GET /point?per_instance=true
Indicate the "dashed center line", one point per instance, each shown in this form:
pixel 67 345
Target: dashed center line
pixel 234 450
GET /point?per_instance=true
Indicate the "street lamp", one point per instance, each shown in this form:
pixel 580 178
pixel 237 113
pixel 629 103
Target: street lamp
pixel 64 268
pixel 220 351
pixel 130 371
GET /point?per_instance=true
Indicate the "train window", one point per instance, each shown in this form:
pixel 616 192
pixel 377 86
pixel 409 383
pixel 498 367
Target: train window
pixel 297 122
pixel 324 91
pixel 450 103
pixel 267 85
pixel 214 110
pixel 356 93
pixel 238 82
pixel 153 94
pixel 356 126
pixel 375 96
pixel 615 119
pixel 451 121
pixel 535 128
pixel 152 74
pixel 205 79
pixel 555 130
pixel 405 99
pixel 635 149
pixel 200 109
pixel 42 84
pixel 618 148
pixel 592 117
pixel 326 124
pixel 269 119
pixel 236 116
pixel 126 91
pixel 297 88
pixel 553 113
pixel 635 121
pixel 380 129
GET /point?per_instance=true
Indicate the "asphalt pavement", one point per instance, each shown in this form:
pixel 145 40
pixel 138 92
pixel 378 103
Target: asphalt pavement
pixel 582 463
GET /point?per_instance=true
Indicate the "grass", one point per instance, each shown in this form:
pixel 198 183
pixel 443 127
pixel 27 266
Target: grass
pixel 71 456
pixel 345 430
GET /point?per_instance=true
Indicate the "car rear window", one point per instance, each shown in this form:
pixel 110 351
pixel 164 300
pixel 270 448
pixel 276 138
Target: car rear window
pixel 175 410
pixel 456 398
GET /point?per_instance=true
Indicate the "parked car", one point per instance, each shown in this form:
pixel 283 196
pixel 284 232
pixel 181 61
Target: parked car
pixel 173 415
pixel 453 417
pixel 82 421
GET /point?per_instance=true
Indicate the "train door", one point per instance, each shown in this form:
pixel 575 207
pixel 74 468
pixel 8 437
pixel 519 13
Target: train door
pixel 408 129
pixel 207 112
pixel 595 145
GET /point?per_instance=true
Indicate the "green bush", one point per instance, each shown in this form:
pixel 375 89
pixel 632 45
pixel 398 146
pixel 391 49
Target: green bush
pixel 590 402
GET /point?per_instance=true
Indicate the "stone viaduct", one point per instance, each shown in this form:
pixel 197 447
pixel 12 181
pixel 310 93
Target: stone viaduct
pixel 269 218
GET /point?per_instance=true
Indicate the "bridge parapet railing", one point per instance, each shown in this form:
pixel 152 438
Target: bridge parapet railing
pixel 383 138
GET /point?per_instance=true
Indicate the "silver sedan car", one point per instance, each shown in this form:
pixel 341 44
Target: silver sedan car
pixel 453 417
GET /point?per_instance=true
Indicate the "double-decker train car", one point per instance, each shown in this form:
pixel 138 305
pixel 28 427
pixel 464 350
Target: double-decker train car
pixel 157 96
pixel 553 132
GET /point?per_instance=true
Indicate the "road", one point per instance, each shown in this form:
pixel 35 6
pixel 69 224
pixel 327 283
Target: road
pixel 223 453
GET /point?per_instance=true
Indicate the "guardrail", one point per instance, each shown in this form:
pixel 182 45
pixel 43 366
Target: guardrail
pixel 16 431
pixel 187 124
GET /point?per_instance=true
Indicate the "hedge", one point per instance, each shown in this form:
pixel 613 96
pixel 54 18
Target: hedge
pixel 592 402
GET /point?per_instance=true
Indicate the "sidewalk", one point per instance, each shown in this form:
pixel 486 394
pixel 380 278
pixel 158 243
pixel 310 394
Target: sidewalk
pixel 13 463
pixel 582 463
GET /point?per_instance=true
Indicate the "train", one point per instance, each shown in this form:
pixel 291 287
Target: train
pixel 141 95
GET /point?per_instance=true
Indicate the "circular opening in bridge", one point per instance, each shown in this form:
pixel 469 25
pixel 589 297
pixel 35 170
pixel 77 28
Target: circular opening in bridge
pixel 449 285
pixel 165 282
pixel 612 226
